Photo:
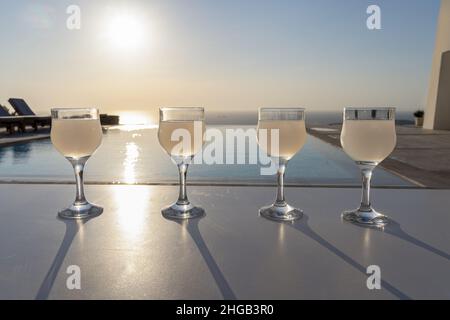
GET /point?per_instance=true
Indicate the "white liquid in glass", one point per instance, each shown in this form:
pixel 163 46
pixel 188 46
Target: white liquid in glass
pixel 368 140
pixel 76 138
pixel 292 137
pixel 178 147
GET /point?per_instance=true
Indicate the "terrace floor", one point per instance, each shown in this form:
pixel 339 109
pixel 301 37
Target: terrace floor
pixel 132 252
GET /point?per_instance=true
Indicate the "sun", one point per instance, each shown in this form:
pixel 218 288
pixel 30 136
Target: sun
pixel 125 30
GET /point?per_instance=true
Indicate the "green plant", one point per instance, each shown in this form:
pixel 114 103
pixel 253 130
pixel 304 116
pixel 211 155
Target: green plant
pixel 419 114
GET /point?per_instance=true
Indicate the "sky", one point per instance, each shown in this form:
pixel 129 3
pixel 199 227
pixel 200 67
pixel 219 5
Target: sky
pixel 227 56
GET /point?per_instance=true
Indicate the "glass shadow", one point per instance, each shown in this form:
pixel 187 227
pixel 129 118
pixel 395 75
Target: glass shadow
pixel 72 228
pixel 303 227
pixel 394 228
pixel 191 226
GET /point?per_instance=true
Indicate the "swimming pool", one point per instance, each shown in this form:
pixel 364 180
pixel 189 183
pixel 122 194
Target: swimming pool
pixel 133 155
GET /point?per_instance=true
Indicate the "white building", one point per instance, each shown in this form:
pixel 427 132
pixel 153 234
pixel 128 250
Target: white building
pixel 437 113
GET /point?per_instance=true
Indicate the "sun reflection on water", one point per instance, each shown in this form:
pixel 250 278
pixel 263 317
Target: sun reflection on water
pixel 129 163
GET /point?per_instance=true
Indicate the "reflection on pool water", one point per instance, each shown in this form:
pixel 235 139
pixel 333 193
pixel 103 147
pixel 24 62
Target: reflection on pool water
pixel 133 155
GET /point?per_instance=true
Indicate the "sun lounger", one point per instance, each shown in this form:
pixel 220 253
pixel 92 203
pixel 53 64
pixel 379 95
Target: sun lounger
pixel 4 113
pixel 29 117
pixel 10 122
pixel 21 107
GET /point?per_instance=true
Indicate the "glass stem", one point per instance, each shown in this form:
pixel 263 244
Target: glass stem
pixel 182 198
pixel 281 201
pixel 366 172
pixel 78 167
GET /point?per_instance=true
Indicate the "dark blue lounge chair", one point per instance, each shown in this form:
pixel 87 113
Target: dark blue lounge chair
pixel 30 118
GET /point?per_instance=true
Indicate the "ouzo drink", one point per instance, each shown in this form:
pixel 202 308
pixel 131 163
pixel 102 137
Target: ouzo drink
pixel 181 138
pixel 368 140
pixel 76 138
pixel 291 137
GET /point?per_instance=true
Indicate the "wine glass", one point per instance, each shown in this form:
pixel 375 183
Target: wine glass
pixel 289 123
pixel 181 134
pixel 368 137
pixel 76 134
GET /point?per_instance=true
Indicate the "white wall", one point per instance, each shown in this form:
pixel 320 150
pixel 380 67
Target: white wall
pixel 437 113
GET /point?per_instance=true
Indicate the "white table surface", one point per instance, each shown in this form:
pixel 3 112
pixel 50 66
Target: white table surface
pixel 132 252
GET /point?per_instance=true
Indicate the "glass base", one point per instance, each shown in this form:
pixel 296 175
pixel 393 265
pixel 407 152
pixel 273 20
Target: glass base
pixel 83 211
pixel 369 218
pixel 182 212
pixel 281 213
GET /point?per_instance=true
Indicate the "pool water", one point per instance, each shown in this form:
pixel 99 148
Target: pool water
pixel 133 155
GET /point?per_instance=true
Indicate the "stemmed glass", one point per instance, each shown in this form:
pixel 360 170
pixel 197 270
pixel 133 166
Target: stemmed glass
pixel 289 123
pixel 181 134
pixel 76 134
pixel 368 137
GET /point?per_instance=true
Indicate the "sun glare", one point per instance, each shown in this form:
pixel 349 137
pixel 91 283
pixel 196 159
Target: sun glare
pixel 132 210
pixel 134 118
pixel 125 30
